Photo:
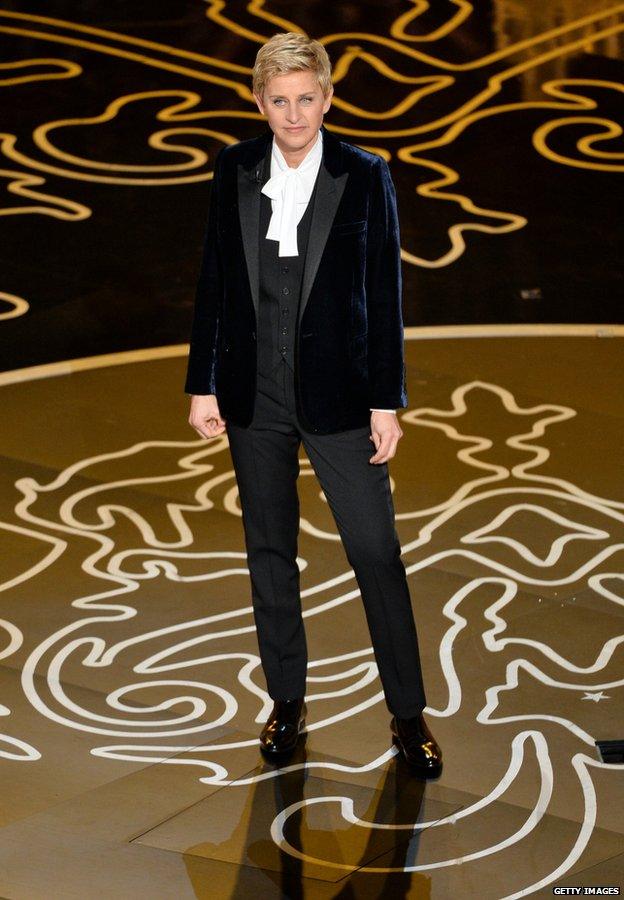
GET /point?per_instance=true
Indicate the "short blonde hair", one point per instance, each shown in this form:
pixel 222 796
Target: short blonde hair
pixel 289 51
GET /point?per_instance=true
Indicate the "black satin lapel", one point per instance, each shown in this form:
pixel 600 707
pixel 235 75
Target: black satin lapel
pixel 326 199
pixel 249 214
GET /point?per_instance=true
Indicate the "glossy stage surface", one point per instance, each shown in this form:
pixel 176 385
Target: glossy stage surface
pixel 132 695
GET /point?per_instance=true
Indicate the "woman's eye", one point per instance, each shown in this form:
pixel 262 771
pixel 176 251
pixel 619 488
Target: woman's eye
pixel 303 100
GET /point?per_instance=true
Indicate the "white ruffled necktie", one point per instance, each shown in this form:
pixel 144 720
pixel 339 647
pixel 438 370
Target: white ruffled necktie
pixel 290 191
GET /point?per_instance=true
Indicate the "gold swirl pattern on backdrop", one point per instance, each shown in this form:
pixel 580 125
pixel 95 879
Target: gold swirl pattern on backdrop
pixel 406 133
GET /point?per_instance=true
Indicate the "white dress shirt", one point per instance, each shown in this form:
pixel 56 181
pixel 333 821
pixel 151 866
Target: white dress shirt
pixel 290 189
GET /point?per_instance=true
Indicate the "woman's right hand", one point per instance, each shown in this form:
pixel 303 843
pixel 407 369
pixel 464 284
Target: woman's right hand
pixel 205 417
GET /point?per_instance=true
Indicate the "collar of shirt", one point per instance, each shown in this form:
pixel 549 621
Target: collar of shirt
pixel 290 190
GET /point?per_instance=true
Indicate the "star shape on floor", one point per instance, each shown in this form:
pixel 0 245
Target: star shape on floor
pixel 597 697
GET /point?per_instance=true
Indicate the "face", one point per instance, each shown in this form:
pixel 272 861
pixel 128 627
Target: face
pixel 294 106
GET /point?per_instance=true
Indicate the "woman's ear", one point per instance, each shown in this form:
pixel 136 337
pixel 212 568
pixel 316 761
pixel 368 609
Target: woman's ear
pixel 328 99
pixel 259 103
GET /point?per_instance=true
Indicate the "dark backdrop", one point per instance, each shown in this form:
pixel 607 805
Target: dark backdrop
pixel 506 216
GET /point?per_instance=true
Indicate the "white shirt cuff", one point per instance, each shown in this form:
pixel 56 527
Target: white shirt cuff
pixel 384 410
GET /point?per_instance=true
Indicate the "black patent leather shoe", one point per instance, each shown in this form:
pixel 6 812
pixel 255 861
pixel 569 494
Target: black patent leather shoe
pixel 417 745
pixel 283 727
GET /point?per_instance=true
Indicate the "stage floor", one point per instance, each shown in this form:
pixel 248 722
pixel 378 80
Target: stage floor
pixel 131 687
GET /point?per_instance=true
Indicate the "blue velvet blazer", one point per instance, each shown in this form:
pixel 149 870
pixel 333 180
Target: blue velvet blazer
pixel 349 335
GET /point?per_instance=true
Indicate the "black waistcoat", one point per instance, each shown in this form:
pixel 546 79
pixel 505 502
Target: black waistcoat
pixel 280 286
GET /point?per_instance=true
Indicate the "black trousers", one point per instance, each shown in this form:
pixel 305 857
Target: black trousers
pixel 266 464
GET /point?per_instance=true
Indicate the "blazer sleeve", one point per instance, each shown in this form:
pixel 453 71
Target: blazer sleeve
pixel 383 284
pixel 201 366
